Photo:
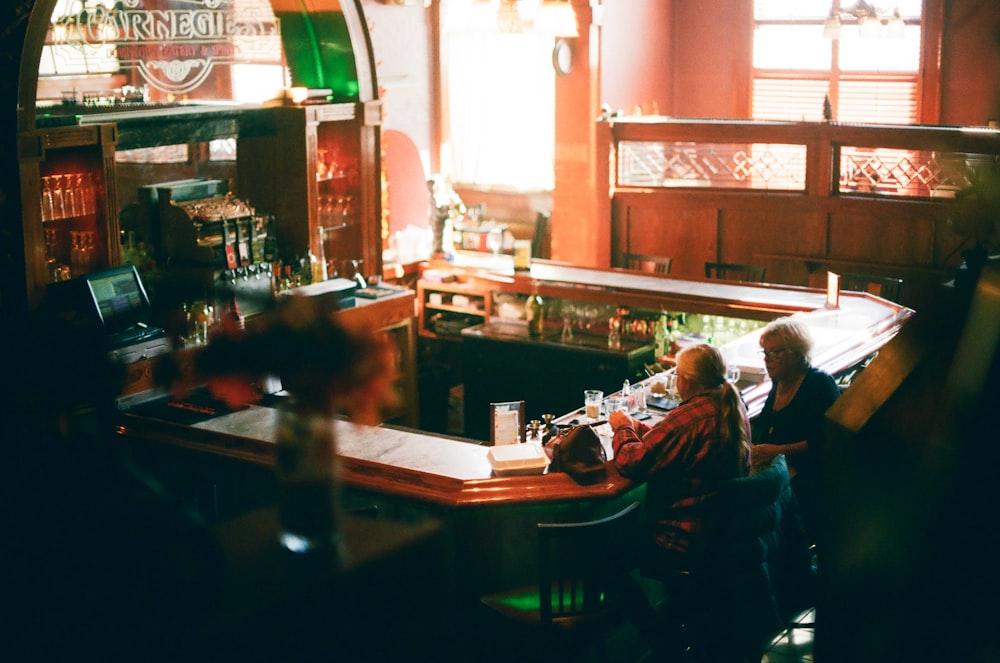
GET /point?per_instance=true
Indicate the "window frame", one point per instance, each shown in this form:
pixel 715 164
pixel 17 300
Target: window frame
pixel 445 161
pixel 926 78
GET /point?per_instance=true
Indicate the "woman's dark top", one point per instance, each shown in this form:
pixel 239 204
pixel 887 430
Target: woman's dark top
pixel 801 419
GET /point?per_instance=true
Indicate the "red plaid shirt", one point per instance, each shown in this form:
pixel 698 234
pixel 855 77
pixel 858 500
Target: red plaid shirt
pixel 682 463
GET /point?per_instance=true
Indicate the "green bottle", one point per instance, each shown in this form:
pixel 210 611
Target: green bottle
pixel 534 312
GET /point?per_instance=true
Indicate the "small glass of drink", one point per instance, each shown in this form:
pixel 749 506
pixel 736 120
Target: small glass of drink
pixel 592 399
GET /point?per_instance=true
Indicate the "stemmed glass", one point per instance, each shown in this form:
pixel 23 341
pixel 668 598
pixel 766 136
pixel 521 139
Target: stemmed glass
pixel 494 241
pixel 48 200
pixel 58 206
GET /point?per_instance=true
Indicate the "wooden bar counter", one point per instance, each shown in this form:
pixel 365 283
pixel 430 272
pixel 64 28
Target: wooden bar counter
pixel 409 475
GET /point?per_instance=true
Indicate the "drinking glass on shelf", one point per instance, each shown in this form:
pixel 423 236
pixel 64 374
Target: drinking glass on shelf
pixel 47 202
pixel 58 206
pixel 733 373
pixel 89 184
pixel 70 195
pixel 80 185
pixel 88 244
pixel 75 251
pixel 567 330
pixel 494 241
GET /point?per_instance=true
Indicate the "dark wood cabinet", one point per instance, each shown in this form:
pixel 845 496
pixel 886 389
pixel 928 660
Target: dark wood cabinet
pixel 316 169
pixel 69 204
pixel 501 363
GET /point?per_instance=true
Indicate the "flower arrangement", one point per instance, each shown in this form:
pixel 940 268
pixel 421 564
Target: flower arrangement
pixel 327 363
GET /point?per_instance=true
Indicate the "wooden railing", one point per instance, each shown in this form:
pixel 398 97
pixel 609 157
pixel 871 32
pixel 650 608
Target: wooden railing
pixel 798 198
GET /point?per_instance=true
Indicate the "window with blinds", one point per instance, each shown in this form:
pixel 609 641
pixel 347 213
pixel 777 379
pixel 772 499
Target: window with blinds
pixel 868 79
pixel 499 102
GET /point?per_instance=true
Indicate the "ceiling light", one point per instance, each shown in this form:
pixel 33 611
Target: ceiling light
pixel 897 28
pixel 556 18
pixel 869 20
pixel 831 28
pixel 508 18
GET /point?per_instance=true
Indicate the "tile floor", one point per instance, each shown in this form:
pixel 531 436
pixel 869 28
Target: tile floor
pixel 794 645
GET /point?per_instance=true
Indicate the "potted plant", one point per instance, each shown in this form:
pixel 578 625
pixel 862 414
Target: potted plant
pixel 976 219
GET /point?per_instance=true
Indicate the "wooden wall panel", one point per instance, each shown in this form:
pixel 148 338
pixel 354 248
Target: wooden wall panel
pixel 748 232
pixel 881 238
pixel 688 235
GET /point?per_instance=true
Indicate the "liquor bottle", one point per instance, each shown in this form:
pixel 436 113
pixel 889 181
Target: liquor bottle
pixel 660 336
pixel 534 313
pixel 673 345
pixel 317 268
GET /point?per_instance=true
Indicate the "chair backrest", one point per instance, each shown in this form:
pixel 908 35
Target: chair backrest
pixel 578 564
pixel 541 242
pixel 649 264
pixel 885 287
pixel 730 271
pixel 761 522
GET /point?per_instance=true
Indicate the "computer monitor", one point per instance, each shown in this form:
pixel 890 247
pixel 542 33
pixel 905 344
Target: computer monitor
pixel 119 297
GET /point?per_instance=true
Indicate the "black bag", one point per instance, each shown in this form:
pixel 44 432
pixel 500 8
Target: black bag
pixel 578 452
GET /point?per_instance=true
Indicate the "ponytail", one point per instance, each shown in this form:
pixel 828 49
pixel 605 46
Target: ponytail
pixel 708 371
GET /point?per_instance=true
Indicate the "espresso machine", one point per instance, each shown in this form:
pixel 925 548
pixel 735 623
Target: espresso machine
pixel 212 239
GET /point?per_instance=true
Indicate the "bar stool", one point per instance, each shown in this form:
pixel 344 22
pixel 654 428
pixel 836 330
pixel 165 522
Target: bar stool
pixel 731 271
pixel 649 264
pixel 573 603
pixel 885 287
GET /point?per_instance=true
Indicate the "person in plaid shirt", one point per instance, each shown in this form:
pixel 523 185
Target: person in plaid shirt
pixel 687 454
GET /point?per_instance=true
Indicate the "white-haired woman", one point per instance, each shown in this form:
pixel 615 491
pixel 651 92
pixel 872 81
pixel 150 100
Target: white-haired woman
pixel 792 420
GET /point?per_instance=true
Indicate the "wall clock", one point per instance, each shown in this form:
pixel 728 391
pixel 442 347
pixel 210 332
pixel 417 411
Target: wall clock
pixel 562 57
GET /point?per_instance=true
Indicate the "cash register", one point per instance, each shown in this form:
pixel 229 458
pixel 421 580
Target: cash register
pixel 114 303
pixel 122 308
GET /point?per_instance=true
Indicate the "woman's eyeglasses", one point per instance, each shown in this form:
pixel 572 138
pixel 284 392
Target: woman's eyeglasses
pixel 776 353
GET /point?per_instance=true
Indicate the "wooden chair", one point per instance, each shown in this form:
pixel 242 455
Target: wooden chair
pixel 541 242
pixel 574 601
pixel 648 264
pixel 734 272
pixel 885 287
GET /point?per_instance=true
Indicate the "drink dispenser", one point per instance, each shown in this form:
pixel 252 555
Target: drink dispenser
pixel 208 234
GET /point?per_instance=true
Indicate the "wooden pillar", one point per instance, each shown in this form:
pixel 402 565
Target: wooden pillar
pixel 581 229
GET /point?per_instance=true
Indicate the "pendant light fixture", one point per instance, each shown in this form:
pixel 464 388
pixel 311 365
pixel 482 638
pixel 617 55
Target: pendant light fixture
pixel 868 18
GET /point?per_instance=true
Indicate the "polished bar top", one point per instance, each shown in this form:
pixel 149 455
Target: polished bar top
pixel 422 466
pixel 457 473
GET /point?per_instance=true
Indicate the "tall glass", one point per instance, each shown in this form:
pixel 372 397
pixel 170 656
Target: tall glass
pixel 308 486
pixel 592 399
pixel 494 241
pixel 58 206
pixel 70 195
pixel 48 202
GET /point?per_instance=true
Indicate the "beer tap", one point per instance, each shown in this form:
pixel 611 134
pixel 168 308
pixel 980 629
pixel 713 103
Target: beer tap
pixel 357 273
